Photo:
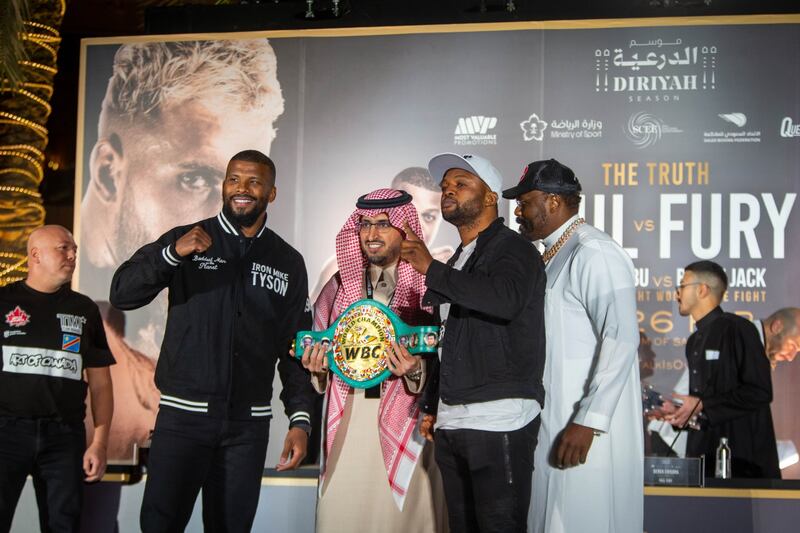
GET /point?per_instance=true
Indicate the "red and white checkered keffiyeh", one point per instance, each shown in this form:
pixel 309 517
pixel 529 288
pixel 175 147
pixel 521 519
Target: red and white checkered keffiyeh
pixel 398 413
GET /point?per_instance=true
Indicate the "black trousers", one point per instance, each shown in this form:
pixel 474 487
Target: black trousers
pixel 487 477
pixel 52 453
pixel 189 452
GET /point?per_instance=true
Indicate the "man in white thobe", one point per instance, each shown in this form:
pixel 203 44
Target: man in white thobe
pixel 588 465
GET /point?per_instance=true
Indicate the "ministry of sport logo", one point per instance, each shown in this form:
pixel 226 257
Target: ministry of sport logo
pixel 474 130
pixel 534 128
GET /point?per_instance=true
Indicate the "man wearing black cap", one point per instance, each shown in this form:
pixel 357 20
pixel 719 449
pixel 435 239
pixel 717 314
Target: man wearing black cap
pixel 588 467
pixel 490 297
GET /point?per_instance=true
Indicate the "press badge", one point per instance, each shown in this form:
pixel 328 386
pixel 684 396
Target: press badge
pixel 712 355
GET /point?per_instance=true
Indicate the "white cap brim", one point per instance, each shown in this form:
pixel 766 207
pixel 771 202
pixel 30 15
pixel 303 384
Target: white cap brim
pixel 441 163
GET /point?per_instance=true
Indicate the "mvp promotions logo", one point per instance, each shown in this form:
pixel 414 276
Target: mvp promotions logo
pixel 475 130
pixel 656 70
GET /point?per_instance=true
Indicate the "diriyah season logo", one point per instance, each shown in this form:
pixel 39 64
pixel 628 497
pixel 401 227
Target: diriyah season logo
pixel 656 70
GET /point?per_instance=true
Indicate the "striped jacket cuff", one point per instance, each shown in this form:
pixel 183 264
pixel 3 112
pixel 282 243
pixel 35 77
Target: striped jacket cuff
pixel 261 410
pixel 302 420
pixel 170 255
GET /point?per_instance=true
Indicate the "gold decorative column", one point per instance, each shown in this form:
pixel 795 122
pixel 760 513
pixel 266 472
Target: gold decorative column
pixel 24 109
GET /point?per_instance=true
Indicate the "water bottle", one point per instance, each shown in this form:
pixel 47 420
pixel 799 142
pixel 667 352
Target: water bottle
pixel 723 469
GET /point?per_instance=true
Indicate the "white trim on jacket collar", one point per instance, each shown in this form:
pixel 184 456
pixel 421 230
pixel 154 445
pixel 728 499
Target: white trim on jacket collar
pixel 230 229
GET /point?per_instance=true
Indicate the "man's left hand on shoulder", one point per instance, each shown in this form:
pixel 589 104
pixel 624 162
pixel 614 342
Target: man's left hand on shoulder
pixel 573 445
pixel 294 449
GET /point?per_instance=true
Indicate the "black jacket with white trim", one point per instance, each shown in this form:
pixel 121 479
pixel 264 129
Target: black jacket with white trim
pixel 493 345
pixel 233 311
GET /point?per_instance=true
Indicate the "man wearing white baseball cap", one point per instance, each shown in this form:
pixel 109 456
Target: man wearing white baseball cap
pixel 488 391
pixel 475 164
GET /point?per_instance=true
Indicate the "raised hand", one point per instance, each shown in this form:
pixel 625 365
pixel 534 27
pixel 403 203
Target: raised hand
pixel 196 240
pixel 414 251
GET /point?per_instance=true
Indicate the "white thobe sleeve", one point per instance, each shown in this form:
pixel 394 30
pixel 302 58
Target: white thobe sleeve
pixel 605 282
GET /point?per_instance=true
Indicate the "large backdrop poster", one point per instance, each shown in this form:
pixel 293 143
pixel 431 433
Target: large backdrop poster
pixel 684 133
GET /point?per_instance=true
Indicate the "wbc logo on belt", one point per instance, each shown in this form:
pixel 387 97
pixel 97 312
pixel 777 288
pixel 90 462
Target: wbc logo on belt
pixel 355 343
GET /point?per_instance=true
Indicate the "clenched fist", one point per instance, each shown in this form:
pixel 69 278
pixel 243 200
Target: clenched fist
pixel 196 240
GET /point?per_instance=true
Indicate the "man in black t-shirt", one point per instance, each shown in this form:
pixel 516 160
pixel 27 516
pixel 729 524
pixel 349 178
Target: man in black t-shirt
pixel 54 350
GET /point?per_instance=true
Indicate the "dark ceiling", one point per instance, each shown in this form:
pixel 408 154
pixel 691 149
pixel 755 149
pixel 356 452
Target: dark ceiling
pixel 270 14
pixel 131 17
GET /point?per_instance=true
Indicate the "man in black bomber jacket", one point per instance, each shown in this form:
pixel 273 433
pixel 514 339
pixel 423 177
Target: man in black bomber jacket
pixel 486 398
pixel 237 295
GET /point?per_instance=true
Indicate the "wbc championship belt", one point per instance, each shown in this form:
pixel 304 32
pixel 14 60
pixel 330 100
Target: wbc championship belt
pixel 356 341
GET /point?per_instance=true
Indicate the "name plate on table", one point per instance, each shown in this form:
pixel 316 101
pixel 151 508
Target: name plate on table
pixel 355 343
pixel 674 471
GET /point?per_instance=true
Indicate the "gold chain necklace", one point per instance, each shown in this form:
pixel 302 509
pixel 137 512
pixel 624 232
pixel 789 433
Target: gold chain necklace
pixel 553 250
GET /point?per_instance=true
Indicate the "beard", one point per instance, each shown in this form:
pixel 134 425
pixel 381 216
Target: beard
pixel 244 219
pixel 381 259
pixel 533 230
pixel 525 228
pixel 463 214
